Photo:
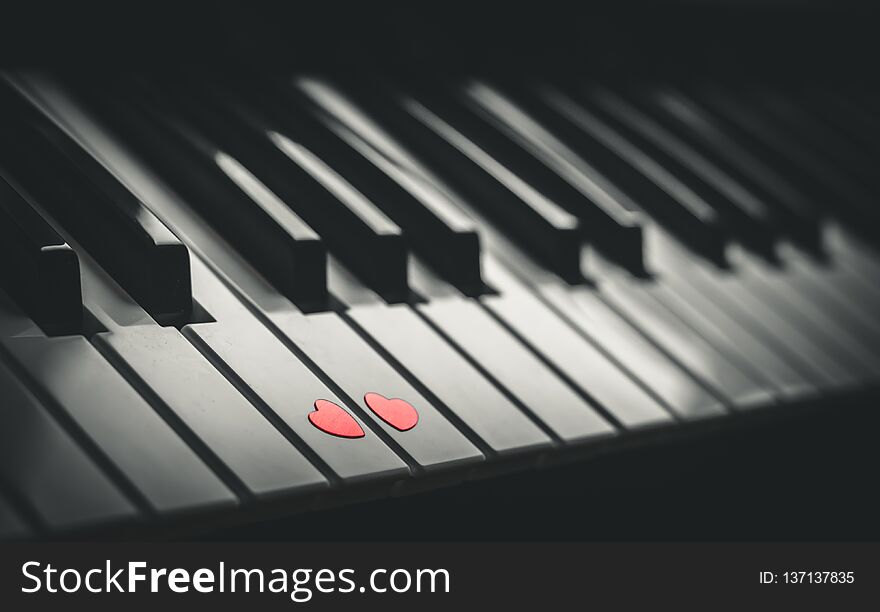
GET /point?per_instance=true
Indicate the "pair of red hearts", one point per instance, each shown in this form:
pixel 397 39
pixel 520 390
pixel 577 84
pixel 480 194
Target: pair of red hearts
pixel 335 420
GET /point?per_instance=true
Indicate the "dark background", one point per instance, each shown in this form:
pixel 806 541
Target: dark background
pixel 808 475
pixel 805 475
pixel 779 40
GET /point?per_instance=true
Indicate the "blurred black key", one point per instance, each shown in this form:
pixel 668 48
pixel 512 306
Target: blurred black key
pixel 654 189
pixel 278 243
pixel 232 434
pixel 37 268
pixel 286 389
pixel 530 217
pixel 448 243
pixel 440 233
pixel 835 148
pixel 838 109
pixel 746 217
pixel 123 236
pixel 667 134
pixel 825 182
pixel 609 219
pixel 361 235
pixel 547 232
pixel 799 217
pixel 613 230
pixel 755 310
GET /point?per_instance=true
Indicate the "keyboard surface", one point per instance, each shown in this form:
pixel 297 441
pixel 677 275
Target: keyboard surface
pixel 230 298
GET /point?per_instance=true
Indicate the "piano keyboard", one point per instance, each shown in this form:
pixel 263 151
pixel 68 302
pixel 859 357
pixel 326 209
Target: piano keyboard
pixel 222 300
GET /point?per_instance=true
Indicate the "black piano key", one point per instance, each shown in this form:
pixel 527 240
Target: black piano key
pixel 754 312
pixel 799 217
pixel 838 109
pixel 168 474
pixel 765 309
pixel 746 216
pixel 736 187
pixel 248 452
pixel 825 182
pixel 360 234
pixel 611 228
pixel 382 243
pixel 529 216
pixel 448 243
pixel 836 149
pixel 342 360
pixel 37 267
pixel 652 187
pixel 122 235
pixel 47 470
pixel 574 367
pixel 733 133
pixel 271 376
pixel 277 242
pixel 547 232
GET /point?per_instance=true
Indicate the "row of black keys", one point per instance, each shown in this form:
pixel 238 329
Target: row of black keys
pixel 266 366
pixel 752 169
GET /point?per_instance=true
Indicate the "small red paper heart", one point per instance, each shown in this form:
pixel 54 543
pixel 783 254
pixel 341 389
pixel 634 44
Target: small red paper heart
pixel 396 412
pixel 334 420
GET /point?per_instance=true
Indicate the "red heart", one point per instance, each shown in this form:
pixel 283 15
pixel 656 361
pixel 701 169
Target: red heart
pixel 396 412
pixel 334 420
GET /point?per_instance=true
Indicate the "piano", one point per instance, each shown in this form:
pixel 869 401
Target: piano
pixel 439 282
